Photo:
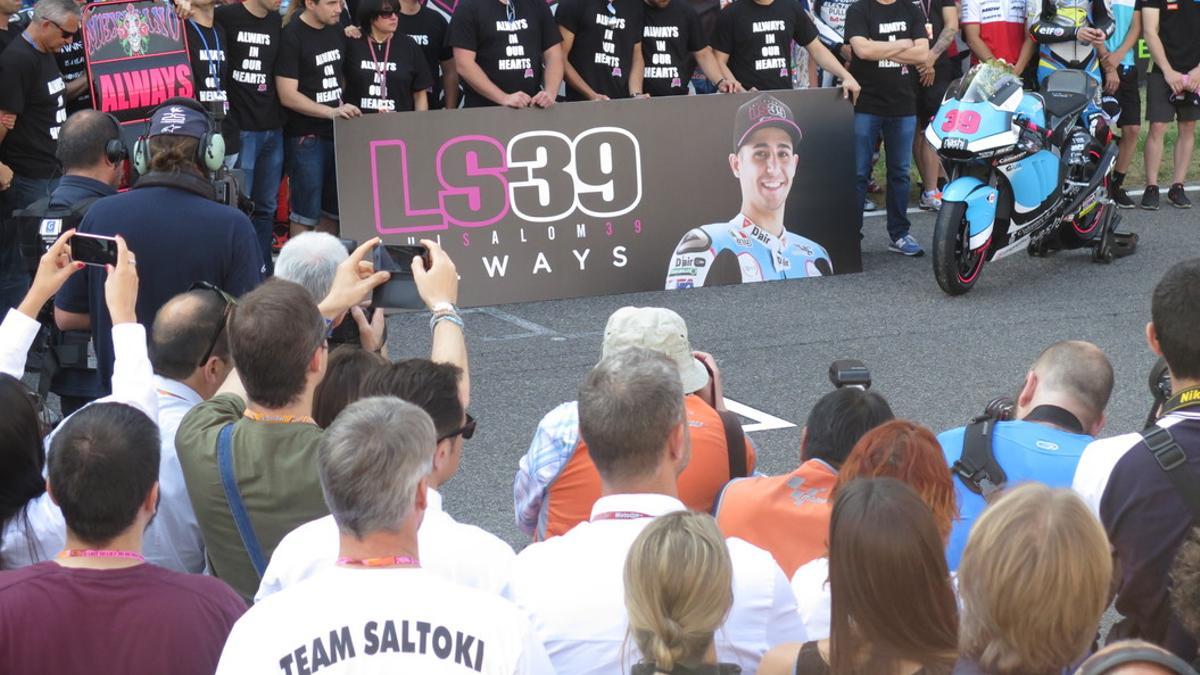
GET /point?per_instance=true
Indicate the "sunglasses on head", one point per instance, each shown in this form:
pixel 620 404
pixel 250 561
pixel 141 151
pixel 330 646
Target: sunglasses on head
pixel 466 431
pixel 230 303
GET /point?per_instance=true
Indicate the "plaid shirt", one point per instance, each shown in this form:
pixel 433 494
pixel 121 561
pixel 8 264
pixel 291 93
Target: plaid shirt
pixel 553 443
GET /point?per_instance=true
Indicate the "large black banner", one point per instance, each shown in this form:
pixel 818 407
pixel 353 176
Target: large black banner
pixel 136 55
pixel 621 196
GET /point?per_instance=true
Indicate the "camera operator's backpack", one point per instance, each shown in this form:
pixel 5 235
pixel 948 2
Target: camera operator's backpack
pixel 39 220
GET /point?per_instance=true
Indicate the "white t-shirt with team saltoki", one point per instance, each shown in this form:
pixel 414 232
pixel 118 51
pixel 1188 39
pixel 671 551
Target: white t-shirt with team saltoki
pixel 383 620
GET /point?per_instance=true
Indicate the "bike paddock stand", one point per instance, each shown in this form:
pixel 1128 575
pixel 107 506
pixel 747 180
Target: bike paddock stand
pixel 1114 244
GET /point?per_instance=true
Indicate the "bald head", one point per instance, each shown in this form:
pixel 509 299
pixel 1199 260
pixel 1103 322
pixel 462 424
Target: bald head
pixel 1078 372
pixel 82 139
pixel 183 329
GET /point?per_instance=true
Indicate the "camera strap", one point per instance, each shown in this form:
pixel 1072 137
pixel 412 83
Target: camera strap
pixel 977 467
pixel 180 180
pixel 1170 457
pixel 1059 417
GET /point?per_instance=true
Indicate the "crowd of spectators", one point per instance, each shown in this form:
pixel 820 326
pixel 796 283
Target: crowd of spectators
pixel 252 485
pixel 245 501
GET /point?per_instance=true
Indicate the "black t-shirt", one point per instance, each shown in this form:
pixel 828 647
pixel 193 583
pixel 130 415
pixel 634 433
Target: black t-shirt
pixel 251 55
pixel 606 32
pixel 888 87
pixel 428 29
pixel 509 52
pixel 8 35
pixel 33 89
pixel 73 65
pixel 313 57
pixel 669 38
pixel 758 39
pixel 385 81
pixel 206 51
pixel 1178 28
pixel 931 14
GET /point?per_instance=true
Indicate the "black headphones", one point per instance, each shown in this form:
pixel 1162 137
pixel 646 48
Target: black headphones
pixel 114 149
pixel 210 151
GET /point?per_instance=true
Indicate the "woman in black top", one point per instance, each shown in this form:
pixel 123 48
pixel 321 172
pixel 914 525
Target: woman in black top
pixel 385 72
pixel 893 610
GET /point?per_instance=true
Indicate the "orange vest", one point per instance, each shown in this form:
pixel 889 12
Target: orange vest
pixel 787 515
pixel 570 496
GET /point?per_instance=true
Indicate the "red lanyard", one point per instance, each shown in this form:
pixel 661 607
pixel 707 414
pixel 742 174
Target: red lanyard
pixel 381 68
pixel 620 515
pixel 92 553
pixel 278 419
pixel 380 562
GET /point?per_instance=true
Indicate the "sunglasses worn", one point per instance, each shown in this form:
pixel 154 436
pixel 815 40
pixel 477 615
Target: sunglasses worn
pixel 230 303
pixel 65 34
pixel 386 15
pixel 466 431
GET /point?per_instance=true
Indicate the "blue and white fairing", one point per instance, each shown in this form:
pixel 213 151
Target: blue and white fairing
pixel 977 122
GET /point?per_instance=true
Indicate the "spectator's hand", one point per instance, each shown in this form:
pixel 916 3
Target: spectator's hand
pixel 851 89
pixel 370 333
pixel 517 99
pixel 599 97
pixel 713 394
pixel 1111 80
pixel 1175 81
pixel 847 53
pixel 543 99
pixel 9 120
pixel 1194 79
pixel 121 286
pixel 1111 60
pixel 1089 35
pixel 642 95
pixel 6 177
pixel 183 9
pixel 53 270
pixel 439 283
pixel 345 111
pixel 729 86
pixel 927 73
pixel 353 32
pixel 352 282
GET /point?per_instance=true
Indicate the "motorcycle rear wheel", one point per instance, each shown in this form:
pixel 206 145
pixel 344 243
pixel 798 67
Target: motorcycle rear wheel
pixel 954 266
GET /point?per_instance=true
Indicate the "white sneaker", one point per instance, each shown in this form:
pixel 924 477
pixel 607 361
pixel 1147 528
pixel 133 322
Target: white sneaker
pixel 931 200
pixel 869 205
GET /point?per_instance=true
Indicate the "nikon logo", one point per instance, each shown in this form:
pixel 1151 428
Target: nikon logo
pixel 1190 396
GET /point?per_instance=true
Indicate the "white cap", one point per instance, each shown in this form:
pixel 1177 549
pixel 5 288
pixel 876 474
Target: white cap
pixel 659 329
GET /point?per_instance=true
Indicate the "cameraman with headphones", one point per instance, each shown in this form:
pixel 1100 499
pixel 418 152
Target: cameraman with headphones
pixel 1039 437
pixel 93 161
pixel 177 233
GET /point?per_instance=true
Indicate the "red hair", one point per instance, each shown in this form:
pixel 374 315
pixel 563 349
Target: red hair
pixel 911 453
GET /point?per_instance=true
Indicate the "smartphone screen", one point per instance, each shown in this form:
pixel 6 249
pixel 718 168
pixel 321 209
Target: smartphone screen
pixel 93 249
pixel 400 292
pixel 399 258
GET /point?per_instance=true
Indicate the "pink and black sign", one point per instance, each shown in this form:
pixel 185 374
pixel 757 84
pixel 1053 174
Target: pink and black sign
pixel 616 197
pixel 136 55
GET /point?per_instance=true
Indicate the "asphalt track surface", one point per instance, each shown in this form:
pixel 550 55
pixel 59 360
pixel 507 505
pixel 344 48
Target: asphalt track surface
pixel 937 359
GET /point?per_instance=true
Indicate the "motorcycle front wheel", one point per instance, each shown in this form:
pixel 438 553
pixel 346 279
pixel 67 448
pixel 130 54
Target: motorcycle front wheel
pixel 954 265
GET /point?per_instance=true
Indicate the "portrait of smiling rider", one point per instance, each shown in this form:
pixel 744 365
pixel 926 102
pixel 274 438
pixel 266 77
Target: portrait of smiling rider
pixel 754 245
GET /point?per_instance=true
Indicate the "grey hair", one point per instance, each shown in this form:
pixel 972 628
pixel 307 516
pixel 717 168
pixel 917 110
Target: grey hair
pixel 370 461
pixel 628 406
pixel 311 260
pixel 54 10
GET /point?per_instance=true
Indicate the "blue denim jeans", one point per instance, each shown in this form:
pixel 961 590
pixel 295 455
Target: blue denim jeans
pixel 261 159
pixel 14 278
pixel 312 179
pixel 897 143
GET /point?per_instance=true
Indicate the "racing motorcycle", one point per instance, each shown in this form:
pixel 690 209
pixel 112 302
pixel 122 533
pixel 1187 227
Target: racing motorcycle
pixel 1027 171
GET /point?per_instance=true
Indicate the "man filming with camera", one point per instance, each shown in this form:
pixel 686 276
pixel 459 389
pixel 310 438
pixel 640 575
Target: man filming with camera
pixel 171 222
pixel 1040 437
pixel 93 161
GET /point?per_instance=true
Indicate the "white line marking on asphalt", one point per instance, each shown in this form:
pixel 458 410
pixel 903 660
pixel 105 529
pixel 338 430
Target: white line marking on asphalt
pixel 762 420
